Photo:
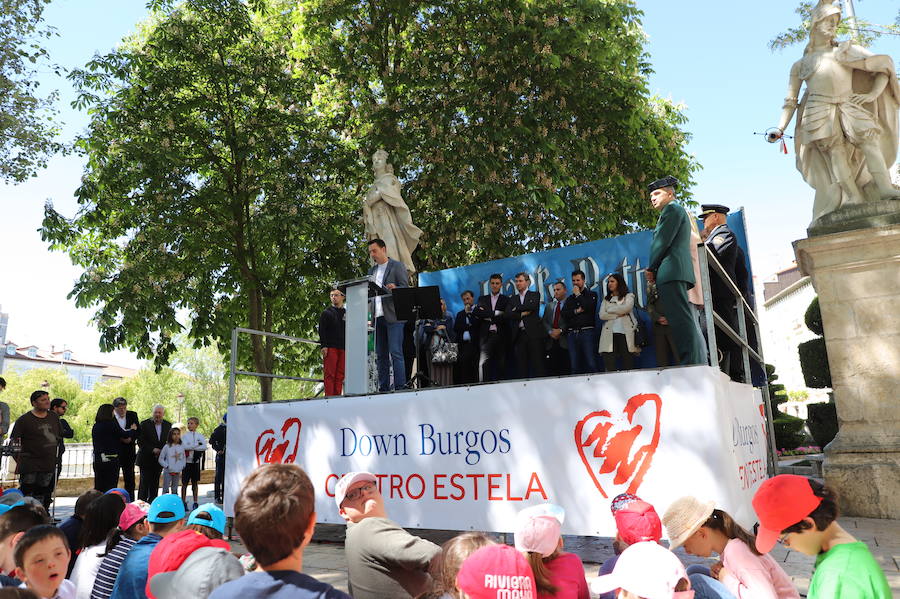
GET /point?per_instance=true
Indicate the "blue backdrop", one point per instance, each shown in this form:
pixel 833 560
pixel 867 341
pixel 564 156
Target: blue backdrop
pixel 627 254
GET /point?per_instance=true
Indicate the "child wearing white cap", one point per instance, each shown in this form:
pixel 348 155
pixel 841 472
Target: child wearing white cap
pixel 646 570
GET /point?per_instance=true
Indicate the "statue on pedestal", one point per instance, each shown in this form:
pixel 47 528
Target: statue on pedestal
pixel 846 133
pixel 386 216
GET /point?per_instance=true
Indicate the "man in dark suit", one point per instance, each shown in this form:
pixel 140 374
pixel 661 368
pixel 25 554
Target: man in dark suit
pixel 466 328
pixel 723 244
pixel 671 267
pixel 579 313
pixel 557 346
pixel 493 331
pixel 152 435
pixel 528 334
pixel 128 422
pixel 390 274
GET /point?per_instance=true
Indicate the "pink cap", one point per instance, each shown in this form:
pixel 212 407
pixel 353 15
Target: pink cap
pixel 538 534
pixel 131 514
pixel 638 521
pixel 496 571
pixel 347 481
pixel 647 570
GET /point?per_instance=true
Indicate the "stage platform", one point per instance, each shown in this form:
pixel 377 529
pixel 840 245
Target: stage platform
pixel 469 458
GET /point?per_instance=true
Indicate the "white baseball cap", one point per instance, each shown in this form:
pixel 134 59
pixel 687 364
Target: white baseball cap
pixel 646 569
pixel 347 481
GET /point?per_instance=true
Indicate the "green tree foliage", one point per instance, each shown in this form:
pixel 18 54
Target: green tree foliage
pixel 27 128
pixel 515 125
pixel 203 190
pixel 868 32
pixel 788 429
pixel 20 385
pixel 814 353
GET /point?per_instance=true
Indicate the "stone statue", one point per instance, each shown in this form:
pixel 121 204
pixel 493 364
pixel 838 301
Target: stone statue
pixel 386 215
pixel 846 133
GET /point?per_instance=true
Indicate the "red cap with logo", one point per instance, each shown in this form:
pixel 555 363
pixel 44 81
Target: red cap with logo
pixel 779 503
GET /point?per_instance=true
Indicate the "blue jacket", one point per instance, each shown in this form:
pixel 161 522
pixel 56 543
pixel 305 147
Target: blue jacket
pixel 132 579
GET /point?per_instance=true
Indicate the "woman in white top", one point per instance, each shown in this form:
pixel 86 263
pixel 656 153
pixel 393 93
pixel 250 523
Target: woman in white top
pixel 617 337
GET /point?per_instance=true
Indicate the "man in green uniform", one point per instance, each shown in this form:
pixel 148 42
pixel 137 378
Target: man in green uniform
pixel 672 270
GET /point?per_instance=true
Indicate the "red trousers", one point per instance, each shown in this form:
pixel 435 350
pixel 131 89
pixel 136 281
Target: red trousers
pixel 334 372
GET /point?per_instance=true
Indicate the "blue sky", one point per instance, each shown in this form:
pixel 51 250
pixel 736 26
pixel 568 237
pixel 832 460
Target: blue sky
pixel 710 55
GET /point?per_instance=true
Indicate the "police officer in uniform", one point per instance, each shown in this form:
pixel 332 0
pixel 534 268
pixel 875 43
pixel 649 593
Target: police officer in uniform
pixel 721 240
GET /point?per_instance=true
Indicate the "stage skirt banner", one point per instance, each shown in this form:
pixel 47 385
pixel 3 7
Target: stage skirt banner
pixel 469 458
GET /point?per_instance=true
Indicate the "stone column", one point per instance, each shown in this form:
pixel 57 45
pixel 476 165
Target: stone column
pixel 857 276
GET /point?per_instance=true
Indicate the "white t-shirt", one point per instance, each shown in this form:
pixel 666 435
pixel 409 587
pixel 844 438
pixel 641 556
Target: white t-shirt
pixel 380 272
pixel 85 571
pixel 66 590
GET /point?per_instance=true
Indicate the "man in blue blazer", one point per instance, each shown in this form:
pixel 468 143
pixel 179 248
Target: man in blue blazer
pixel 390 274
pixel 672 269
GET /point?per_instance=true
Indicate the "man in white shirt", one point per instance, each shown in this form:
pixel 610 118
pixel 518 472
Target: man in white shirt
pixel 194 444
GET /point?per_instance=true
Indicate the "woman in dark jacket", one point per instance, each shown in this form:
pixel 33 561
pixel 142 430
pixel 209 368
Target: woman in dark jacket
pixel 105 435
pixel 441 372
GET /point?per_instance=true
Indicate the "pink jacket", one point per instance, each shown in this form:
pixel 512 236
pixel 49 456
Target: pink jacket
pixel 752 576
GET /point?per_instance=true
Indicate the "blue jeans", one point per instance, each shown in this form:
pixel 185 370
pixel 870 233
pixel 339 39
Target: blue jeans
pixel 704 585
pixel 389 353
pixel 582 351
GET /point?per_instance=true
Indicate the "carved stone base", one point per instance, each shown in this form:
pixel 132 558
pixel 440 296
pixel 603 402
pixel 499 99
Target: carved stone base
pixel 857 276
pixel 858 216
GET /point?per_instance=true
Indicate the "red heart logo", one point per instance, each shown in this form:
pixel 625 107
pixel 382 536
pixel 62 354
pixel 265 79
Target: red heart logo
pixel 269 450
pixel 615 440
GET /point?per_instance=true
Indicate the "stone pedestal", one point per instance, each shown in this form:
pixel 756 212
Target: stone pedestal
pixel 857 276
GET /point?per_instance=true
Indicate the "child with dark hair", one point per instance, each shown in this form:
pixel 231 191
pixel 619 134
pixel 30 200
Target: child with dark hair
pixel 172 459
pixel 13 524
pixel 101 518
pixel 802 514
pixel 17 593
pixel 42 555
pixel 72 526
pixel 132 528
pixel 742 570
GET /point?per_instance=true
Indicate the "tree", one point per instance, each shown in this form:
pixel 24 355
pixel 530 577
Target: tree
pixel 868 32
pixel 515 125
pixel 27 128
pixel 203 191
pixel 788 429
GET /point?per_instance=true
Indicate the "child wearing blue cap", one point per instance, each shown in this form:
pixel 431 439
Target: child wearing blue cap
pixel 208 519
pixel 166 516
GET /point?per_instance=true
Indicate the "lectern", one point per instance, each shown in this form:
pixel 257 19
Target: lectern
pixel 356 358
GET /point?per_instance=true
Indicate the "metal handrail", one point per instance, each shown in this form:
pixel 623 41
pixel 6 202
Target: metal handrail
pixel 233 371
pixel 713 320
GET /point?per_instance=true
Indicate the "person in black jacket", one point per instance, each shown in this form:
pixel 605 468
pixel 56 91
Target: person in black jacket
pixel 217 442
pixel 579 311
pixel 466 326
pixel 332 325
pixel 152 435
pixel 528 334
pixel 128 423
pixel 59 406
pixel 493 332
pixel 105 437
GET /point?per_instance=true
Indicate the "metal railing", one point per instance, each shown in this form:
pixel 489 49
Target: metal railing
pixel 709 264
pixel 233 371
pixel 78 462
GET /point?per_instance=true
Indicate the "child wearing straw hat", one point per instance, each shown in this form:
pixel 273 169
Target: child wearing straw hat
pixel 742 569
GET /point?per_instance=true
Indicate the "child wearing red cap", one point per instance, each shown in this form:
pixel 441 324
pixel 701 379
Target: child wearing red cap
pixel 636 522
pixel 496 572
pixel 802 514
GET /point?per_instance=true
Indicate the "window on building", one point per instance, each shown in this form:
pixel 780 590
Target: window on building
pixel 88 381
pixel 10 350
pixel 32 352
pixel 67 355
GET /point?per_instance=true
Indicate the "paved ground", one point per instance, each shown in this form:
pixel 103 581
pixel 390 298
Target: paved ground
pixel 324 558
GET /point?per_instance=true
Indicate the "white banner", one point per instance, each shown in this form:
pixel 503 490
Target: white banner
pixel 469 458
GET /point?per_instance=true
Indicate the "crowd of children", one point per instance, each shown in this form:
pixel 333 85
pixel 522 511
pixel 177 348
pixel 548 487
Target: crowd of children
pixel 113 548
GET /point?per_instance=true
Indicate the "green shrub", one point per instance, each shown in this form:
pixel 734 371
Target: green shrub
pixel 822 422
pixel 789 431
pixel 814 362
pixel 813 317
